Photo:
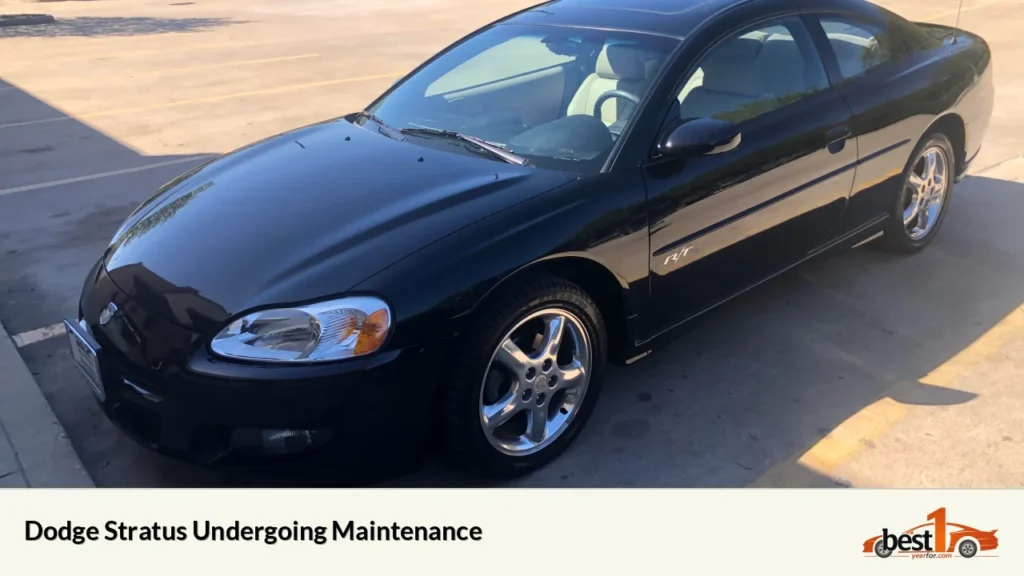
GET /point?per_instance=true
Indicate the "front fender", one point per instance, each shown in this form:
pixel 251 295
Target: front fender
pixel 599 219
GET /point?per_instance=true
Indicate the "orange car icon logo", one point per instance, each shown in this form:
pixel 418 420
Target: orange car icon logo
pixel 935 539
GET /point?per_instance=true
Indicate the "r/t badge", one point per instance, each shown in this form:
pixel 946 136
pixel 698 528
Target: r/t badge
pixel 679 253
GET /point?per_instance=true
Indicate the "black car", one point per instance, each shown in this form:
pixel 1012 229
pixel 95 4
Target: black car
pixel 455 265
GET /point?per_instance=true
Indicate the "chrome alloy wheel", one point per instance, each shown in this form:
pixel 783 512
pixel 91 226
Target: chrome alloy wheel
pixel 927 187
pixel 535 382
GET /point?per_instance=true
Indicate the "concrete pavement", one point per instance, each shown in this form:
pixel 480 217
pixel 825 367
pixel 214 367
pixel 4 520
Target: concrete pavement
pixel 34 449
pixel 860 370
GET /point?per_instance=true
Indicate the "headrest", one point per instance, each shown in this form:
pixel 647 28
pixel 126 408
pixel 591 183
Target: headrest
pixel 732 67
pixel 621 62
pixel 852 39
pixel 781 65
pixel 849 47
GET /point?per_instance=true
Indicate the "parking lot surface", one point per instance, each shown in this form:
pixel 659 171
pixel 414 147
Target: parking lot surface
pixel 862 369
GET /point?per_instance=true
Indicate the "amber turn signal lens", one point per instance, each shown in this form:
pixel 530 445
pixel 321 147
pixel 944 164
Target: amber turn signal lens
pixel 373 332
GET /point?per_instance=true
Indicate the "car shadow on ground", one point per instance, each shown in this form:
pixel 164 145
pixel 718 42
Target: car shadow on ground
pixel 49 238
pixel 746 388
pixel 92 26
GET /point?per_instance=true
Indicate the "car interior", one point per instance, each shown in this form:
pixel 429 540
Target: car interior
pixel 855 52
pixel 758 71
pixel 748 75
pixel 573 109
pixel 600 107
pixel 620 68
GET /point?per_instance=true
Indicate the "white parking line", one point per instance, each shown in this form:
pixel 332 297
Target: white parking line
pixel 38 335
pixel 100 175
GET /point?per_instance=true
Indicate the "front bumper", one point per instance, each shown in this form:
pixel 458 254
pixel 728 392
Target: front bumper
pixel 162 388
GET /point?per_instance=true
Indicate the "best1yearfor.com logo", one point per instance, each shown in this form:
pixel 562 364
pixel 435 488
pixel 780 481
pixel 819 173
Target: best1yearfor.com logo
pixel 937 538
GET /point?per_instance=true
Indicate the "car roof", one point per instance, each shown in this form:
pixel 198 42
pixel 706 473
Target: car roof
pixel 675 18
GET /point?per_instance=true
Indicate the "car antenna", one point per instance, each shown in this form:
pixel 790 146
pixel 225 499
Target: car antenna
pixel 956 28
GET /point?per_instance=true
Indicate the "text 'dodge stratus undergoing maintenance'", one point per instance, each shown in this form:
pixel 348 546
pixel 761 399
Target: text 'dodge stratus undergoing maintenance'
pixel 393 530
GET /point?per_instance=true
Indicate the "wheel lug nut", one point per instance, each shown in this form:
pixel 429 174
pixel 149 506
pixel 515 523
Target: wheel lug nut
pixel 547 365
pixel 552 381
pixel 527 394
pixel 540 399
pixel 530 373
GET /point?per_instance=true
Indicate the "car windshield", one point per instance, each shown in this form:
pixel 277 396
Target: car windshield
pixel 554 97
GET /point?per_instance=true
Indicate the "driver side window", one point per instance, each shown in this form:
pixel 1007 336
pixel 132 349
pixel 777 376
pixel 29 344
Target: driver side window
pixel 753 73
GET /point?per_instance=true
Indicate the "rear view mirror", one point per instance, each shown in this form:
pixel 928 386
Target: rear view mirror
pixel 699 137
pixel 563 45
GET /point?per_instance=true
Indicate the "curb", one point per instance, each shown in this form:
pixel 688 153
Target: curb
pixel 25 19
pixel 40 444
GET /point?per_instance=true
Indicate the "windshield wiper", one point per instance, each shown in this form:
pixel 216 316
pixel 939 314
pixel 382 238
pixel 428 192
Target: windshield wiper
pixel 493 149
pixel 382 126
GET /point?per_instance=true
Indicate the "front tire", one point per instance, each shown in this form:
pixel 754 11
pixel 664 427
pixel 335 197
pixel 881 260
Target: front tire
pixel 924 197
pixel 881 551
pixel 525 378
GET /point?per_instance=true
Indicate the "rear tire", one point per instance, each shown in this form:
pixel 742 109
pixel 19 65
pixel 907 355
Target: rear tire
pixel 492 400
pixel 967 548
pixel 924 197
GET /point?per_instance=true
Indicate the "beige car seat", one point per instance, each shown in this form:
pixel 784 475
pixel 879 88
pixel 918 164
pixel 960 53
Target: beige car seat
pixel 731 79
pixel 619 67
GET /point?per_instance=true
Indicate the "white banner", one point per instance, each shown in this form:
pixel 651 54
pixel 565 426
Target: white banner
pixel 515 532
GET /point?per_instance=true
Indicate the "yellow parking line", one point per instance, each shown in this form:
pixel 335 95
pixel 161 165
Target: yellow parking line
pixel 991 342
pixel 853 435
pixel 837 447
pixel 870 423
pixel 191 101
pixel 224 65
pixel 934 17
pixel 239 43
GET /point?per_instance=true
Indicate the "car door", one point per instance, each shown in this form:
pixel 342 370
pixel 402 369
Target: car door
pixel 723 222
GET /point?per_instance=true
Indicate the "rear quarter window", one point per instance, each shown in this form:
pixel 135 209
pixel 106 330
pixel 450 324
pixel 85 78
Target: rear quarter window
pixel 860 45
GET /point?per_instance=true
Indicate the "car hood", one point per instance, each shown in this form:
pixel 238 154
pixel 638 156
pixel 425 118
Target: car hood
pixel 302 216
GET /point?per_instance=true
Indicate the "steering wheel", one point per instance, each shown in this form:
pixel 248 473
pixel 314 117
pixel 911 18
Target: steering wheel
pixel 613 94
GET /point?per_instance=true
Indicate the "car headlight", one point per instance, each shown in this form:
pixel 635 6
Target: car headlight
pixel 331 330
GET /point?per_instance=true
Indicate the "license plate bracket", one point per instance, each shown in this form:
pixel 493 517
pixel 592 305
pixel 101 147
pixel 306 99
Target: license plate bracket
pixel 85 352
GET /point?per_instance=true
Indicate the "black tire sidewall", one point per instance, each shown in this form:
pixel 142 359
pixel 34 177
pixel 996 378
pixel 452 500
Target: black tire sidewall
pixel 897 235
pixel 466 436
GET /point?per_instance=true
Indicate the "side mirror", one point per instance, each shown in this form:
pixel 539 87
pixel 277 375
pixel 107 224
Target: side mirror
pixel 700 137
